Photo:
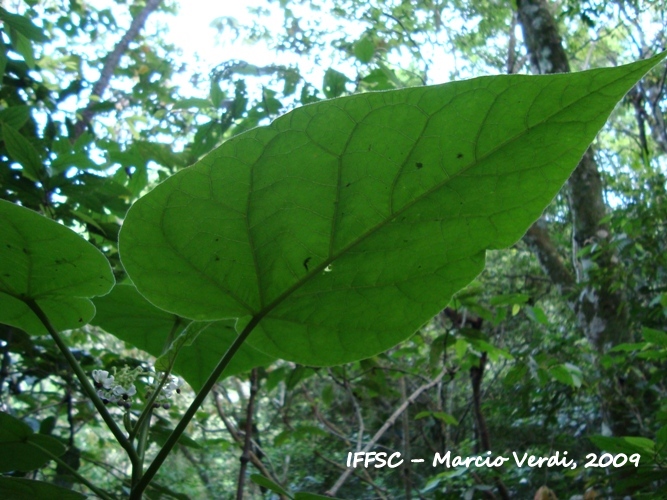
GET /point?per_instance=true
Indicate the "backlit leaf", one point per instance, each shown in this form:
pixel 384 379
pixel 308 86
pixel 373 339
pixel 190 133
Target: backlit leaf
pixel 21 449
pixel 130 317
pixel 345 225
pixel 44 261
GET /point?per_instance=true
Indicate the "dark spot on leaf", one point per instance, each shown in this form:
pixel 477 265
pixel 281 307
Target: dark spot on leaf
pixel 217 258
pixel 305 263
pixel 80 320
pixel 9 246
pixel 25 251
pixel 7 275
pixel 217 239
pixel 419 165
pixel 460 155
pixel 348 184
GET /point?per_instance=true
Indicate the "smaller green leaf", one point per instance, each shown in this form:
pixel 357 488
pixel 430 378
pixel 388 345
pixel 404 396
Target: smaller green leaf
pixel 364 49
pixel 567 374
pixel 47 425
pixel 23 450
pixel 23 25
pixel 652 355
pixel 186 338
pixel 45 262
pixel 216 95
pixel 334 83
pixel 274 377
pixel 515 374
pixel 15 116
pixel 267 483
pixel 23 46
pixel 16 488
pixel 192 102
pixel 78 160
pixel 160 434
pixel 439 415
pixel 626 445
pixel 509 298
pixel 3 58
pixel 126 314
pixel 661 439
pixel 298 434
pixel 378 80
pixel 655 336
pixel 537 314
pixel 628 347
pixel 494 353
pixel 327 395
pixel 312 496
pixel 23 152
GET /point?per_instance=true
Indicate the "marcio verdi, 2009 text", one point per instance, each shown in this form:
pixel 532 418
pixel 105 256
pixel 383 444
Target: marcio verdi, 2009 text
pixel 381 459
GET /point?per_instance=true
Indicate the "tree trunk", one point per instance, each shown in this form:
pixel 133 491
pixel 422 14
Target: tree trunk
pixel 599 307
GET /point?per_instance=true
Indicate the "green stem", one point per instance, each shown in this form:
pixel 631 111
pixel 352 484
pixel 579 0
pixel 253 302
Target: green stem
pixel 86 385
pixel 142 438
pixel 190 413
pixel 148 409
pixel 151 400
pixel 100 493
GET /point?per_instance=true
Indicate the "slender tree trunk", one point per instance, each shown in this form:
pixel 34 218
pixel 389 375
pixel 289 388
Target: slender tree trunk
pixel 599 307
pixel 600 310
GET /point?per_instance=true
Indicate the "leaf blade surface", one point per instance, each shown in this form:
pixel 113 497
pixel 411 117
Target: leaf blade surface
pixel 346 224
pixel 127 315
pixel 44 261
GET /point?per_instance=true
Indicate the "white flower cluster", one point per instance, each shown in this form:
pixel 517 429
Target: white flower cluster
pixel 116 389
pixel 171 386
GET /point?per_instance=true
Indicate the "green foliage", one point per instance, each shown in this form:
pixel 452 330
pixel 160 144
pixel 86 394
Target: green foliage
pixel 130 317
pixel 292 232
pixel 322 226
pixel 23 450
pixel 42 261
pixel 28 489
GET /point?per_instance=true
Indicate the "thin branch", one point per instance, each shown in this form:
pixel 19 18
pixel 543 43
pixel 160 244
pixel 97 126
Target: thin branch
pixel 239 439
pixel 110 65
pixel 407 483
pixel 335 431
pixel 203 476
pixel 73 472
pixel 357 411
pixel 365 477
pixel 245 456
pixel 390 421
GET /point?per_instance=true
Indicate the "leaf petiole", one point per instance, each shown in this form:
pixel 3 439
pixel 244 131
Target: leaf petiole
pixel 173 438
pixel 86 385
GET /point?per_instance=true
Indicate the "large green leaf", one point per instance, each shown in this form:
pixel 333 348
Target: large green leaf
pixel 23 450
pixel 44 261
pixel 345 225
pixel 130 317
